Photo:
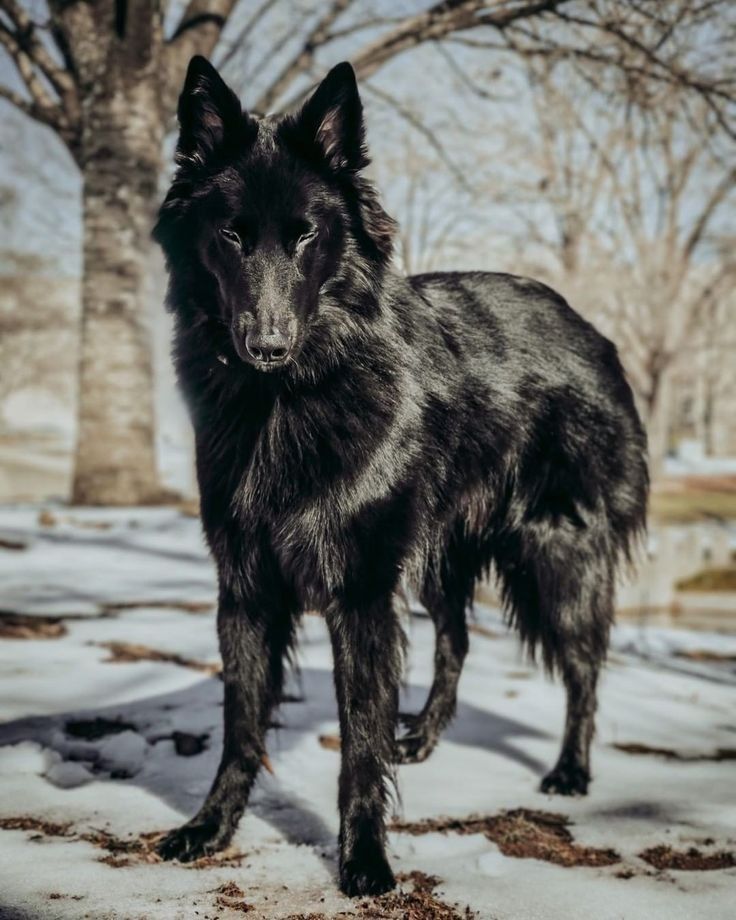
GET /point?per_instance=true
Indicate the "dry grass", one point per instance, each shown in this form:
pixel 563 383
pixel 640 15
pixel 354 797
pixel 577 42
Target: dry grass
pixel 723 579
pixel 128 652
pixel 26 626
pixel 231 897
pixel 692 505
pixel 703 654
pixel 636 748
pixel 664 857
pixel 35 826
pixel 120 852
pixel 330 742
pixel 185 606
pixel 522 834
pixel 418 904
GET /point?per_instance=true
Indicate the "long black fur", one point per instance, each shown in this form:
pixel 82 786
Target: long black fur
pixel 423 429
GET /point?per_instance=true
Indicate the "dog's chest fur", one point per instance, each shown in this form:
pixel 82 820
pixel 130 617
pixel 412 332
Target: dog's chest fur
pixel 303 469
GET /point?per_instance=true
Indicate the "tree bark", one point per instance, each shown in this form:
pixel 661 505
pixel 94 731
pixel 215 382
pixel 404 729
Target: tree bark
pixel 657 421
pixel 127 80
pixel 114 51
pixel 115 460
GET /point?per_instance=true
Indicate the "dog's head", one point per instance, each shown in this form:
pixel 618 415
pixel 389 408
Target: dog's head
pixel 268 218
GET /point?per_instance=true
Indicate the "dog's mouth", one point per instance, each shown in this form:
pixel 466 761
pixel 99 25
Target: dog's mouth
pixel 270 367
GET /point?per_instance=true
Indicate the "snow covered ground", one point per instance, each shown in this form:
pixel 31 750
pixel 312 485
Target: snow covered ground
pixel 111 732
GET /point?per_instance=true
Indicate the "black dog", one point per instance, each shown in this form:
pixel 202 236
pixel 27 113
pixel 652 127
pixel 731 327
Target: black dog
pixel 355 428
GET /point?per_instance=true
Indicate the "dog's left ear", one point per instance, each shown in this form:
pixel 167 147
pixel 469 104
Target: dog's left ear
pixel 210 117
pixel 332 121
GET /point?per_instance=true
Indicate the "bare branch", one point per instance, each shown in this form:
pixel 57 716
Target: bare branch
pixel 45 107
pixel 438 22
pixel 716 198
pixel 26 37
pixel 198 32
pixel 240 39
pixel 418 125
pixel 301 62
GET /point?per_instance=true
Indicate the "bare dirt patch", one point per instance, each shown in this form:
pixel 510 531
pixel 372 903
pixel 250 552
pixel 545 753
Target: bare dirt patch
pixel 637 749
pixel 26 626
pixel 522 834
pixel 127 652
pixel 693 859
pixel 12 544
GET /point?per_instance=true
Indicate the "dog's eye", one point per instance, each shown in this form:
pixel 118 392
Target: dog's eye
pixel 230 235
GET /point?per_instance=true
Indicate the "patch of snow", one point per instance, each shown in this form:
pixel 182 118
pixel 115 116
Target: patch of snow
pixel 66 774
pixel 130 780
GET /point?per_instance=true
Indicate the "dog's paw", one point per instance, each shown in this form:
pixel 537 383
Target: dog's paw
pixel 412 749
pixel 417 744
pixel 366 876
pixel 193 841
pixel 569 779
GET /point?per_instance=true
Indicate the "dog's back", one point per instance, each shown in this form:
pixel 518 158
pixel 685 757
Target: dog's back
pixel 525 410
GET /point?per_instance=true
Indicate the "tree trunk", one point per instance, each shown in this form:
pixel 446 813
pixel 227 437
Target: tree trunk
pixel 115 460
pixel 657 421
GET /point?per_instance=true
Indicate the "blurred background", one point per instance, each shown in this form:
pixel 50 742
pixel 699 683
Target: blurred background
pixel 589 144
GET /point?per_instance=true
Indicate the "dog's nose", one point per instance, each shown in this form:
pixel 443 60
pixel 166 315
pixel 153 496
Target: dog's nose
pixel 268 348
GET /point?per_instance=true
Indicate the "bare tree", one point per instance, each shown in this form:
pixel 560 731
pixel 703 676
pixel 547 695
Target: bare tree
pixel 104 74
pixel 636 201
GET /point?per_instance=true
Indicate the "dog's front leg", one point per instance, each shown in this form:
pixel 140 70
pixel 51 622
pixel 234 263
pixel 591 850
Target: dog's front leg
pixel 254 634
pixel 367 646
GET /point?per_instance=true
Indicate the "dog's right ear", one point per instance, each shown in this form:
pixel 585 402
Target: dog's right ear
pixel 330 123
pixel 210 117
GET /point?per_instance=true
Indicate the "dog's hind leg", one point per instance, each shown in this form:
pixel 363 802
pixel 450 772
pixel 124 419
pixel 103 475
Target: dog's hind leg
pixel 446 605
pixel 254 636
pixel 578 643
pixel 562 601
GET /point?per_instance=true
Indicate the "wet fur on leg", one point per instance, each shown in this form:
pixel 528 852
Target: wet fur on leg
pixel 355 428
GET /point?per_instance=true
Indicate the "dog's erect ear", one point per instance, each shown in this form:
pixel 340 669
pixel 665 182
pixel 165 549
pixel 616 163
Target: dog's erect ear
pixel 332 120
pixel 209 113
